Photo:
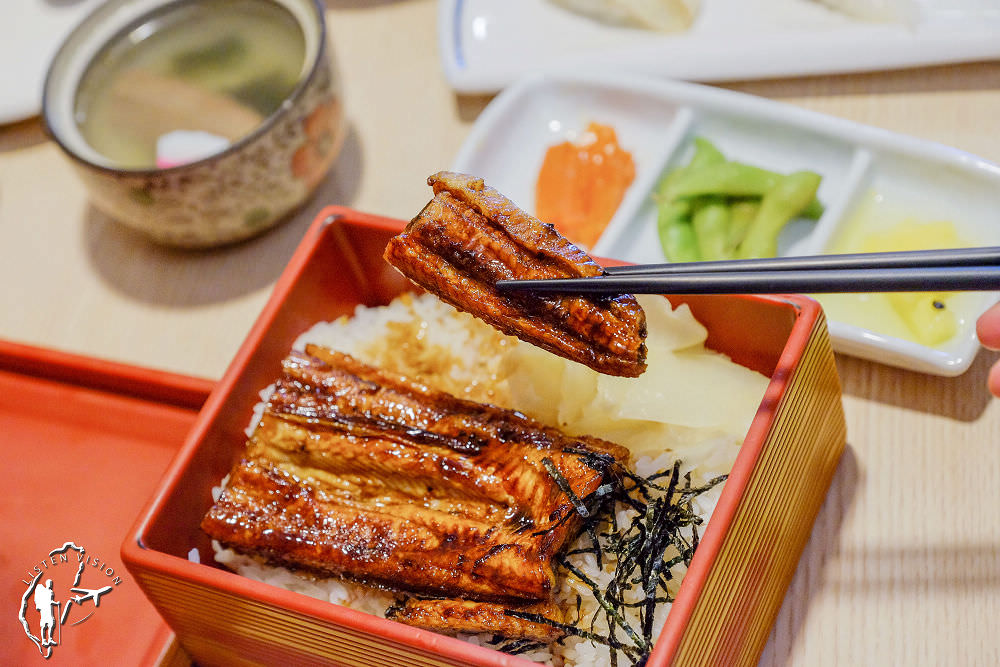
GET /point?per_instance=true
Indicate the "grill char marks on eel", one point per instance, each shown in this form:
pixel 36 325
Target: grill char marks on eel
pixel 361 473
pixel 469 236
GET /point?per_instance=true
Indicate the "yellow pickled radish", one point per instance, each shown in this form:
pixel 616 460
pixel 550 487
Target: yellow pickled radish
pixel 879 224
pixel 930 320
pixel 926 314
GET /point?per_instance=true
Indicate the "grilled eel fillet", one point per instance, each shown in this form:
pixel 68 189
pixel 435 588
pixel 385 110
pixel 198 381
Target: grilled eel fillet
pixel 470 236
pixel 357 472
pixel 454 616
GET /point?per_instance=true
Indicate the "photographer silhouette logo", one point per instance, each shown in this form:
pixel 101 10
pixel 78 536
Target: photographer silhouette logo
pixel 54 590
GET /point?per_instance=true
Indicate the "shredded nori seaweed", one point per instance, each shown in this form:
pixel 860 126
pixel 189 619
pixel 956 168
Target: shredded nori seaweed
pixel 565 487
pixel 661 534
pixel 517 646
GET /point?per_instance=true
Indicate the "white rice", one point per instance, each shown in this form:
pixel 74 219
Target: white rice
pixel 425 339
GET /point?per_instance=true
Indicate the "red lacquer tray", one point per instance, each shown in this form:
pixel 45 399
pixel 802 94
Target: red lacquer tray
pixel 84 444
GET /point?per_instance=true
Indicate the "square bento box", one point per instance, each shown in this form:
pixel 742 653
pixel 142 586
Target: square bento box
pixel 729 597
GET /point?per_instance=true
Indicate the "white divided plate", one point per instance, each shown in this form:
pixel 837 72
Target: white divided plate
pixel 655 120
pixel 32 33
pixel 487 44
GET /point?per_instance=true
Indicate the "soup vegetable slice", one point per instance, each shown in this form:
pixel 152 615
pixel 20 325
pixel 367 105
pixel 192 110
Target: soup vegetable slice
pixel 470 236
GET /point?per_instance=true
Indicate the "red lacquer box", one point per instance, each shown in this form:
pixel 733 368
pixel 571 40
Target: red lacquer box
pixel 730 595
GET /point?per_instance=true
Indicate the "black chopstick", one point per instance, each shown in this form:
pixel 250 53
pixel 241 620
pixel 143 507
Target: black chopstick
pixel 921 279
pixel 875 260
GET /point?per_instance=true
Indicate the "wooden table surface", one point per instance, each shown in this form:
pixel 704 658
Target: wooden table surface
pixel 904 562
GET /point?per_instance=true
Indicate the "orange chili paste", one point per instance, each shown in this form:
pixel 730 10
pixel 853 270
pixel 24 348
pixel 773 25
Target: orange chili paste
pixel 580 185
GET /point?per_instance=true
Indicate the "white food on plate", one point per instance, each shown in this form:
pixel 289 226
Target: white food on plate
pixel 662 15
pixel 900 11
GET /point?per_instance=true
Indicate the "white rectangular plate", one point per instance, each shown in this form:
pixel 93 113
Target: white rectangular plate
pixel 487 44
pixel 655 121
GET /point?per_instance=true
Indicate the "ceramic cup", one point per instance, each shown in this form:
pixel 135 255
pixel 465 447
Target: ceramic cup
pixel 231 195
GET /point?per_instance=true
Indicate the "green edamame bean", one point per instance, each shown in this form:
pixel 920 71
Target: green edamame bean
pixel 782 203
pixel 676 233
pixel 732 208
pixel 732 179
pixel 741 215
pixel 711 228
pixel 705 155
pixel 814 210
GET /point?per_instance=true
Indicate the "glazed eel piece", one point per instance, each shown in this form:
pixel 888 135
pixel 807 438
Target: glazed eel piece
pixel 455 616
pixel 360 473
pixel 469 236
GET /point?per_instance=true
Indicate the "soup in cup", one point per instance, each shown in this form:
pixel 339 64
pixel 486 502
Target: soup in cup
pixel 197 122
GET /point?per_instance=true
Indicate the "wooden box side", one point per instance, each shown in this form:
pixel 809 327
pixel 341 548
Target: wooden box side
pixel 745 585
pixel 229 630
